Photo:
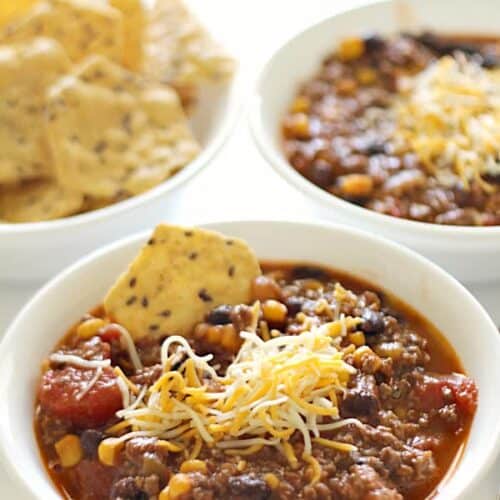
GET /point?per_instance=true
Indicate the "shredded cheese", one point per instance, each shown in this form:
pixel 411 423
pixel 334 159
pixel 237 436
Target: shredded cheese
pixel 449 115
pixel 129 344
pixel 72 359
pixel 272 389
pixel 91 383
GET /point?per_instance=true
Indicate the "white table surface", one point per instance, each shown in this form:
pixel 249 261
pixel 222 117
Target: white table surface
pixel 239 184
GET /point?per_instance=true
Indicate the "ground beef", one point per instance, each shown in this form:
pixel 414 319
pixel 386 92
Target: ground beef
pixel 148 375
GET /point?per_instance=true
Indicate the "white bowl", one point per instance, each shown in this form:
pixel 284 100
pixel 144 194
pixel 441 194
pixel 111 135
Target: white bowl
pixel 32 252
pixel 421 284
pixel 469 253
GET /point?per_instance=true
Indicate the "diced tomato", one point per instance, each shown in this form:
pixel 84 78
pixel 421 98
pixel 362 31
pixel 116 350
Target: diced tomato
pixel 465 395
pixel 440 390
pixel 61 392
pixel 109 333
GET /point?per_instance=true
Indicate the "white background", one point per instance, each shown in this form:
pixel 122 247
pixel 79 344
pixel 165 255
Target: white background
pixel 238 184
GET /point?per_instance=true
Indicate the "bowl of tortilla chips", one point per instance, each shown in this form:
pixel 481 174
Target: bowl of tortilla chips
pixel 107 107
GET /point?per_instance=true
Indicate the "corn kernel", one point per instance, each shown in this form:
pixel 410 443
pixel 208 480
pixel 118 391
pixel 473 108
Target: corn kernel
pixel 366 76
pixel 164 494
pixel 108 451
pixel 351 48
pixel 241 465
pixel 301 104
pixel 357 338
pixel 90 327
pixel 346 86
pixel 265 287
pixel 274 311
pixel 356 185
pixel 361 352
pixel 213 335
pixel 298 125
pixel 69 450
pixel 364 352
pixel 272 481
pixel 230 340
pixel 179 485
pixel 194 466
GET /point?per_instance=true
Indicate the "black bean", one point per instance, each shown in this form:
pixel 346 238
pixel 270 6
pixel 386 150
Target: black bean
pixel 373 42
pixel 90 440
pixel 321 173
pixel 294 305
pixel 373 321
pixel 490 61
pixel 221 315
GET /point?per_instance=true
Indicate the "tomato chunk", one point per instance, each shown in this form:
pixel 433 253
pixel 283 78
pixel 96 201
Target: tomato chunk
pixel 439 390
pixel 62 395
pixel 109 333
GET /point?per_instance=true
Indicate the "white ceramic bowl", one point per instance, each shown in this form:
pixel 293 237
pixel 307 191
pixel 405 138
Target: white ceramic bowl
pixel 421 284
pixel 469 253
pixel 33 252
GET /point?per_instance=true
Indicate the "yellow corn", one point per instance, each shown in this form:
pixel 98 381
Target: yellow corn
pixel 357 338
pixel 230 339
pixel 356 185
pixel 298 125
pixel 241 465
pixel 366 76
pixel 179 485
pixel 301 105
pixel 351 48
pixel 346 86
pixel 272 481
pixel 274 311
pixel 194 466
pixel 69 450
pixel 108 451
pixel 364 351
pixel 89 328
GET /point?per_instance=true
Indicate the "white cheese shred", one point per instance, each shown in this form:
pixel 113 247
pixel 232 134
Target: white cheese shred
pixel 91 383
pixel 72 359
pixel 129 344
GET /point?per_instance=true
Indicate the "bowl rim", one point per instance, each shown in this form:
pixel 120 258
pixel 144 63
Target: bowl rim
pixel 15 470
pixel 274 154
pixel 235 91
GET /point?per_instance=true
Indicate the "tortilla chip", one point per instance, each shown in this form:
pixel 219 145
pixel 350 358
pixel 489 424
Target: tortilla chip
pixel 26 71
pixel 112 133
pixel 38 201
pixel 133 23
pixel 13 10
pixel 178 50
pixel 83 27
pixel 178 277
